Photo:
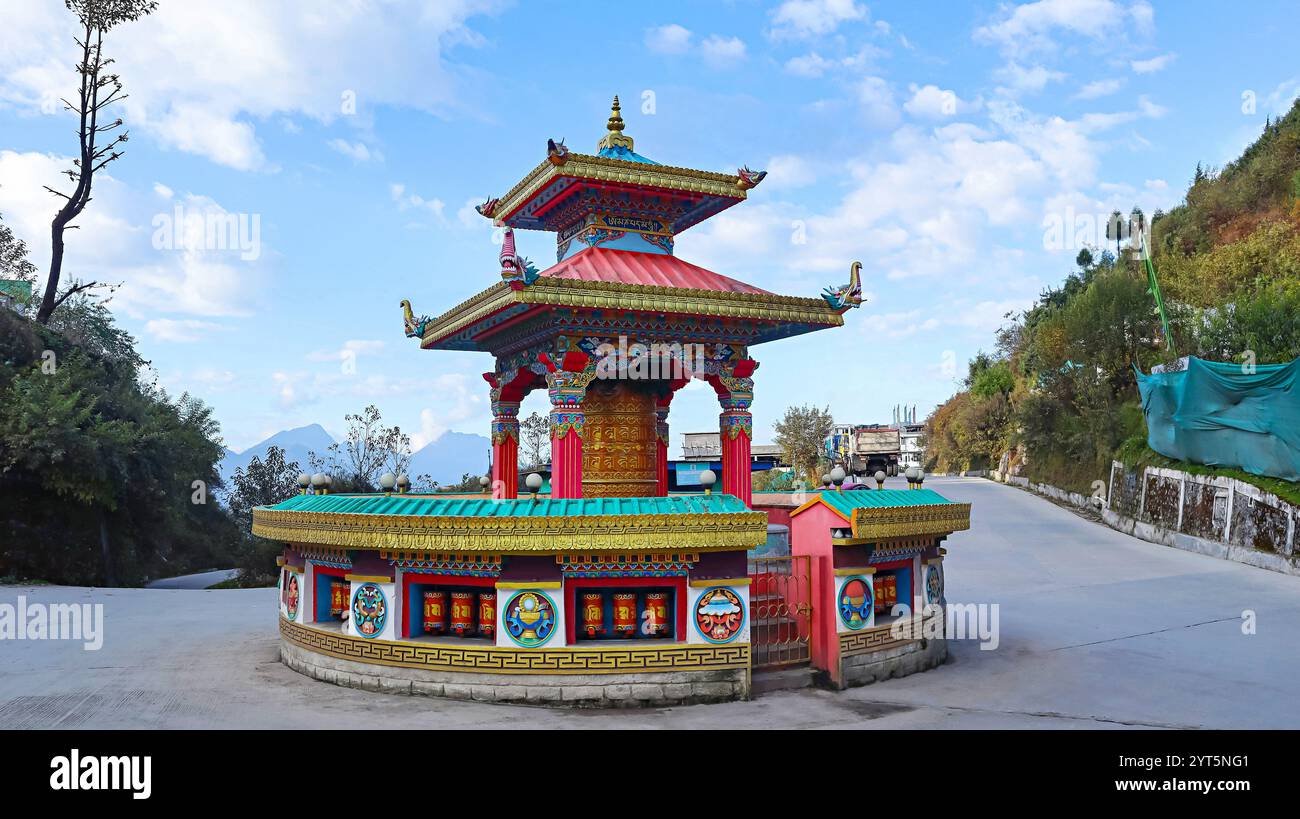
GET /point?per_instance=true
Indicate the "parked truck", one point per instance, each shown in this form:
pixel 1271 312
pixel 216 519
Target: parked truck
pixel 865 449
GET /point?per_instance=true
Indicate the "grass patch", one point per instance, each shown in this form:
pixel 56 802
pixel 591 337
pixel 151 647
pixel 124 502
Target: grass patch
pixel 1135 453
pixel 232 583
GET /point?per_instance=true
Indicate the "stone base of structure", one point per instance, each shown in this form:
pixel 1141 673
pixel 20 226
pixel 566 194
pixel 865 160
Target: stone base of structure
pixel 654 688
pixel 896 661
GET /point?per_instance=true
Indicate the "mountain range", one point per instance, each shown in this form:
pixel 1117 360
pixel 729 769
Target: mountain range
pixel 444 459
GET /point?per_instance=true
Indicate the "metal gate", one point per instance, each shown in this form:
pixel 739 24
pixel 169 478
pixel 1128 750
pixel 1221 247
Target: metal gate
pixel 780 610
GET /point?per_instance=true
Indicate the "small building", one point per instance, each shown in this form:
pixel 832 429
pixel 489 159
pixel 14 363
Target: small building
pixel 912 452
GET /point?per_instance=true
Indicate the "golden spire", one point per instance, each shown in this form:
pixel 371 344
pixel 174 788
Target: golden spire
pixel 615 138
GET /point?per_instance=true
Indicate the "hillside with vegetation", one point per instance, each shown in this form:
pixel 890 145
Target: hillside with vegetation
pixel 1057 400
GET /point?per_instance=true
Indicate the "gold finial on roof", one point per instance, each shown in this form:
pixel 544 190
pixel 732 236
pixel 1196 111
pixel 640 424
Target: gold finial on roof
pixel 615 138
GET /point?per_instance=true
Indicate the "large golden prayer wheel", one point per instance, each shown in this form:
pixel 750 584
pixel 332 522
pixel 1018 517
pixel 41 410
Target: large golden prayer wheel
pixel 618 442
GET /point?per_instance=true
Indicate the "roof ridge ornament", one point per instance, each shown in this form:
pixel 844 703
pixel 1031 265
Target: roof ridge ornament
pixel 849 295
pixel 615 138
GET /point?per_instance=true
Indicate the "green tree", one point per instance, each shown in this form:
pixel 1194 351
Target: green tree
pixel 262 483
pixel 801 434
pixel 535 439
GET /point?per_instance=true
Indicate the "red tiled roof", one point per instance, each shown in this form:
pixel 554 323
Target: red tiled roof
pixel 600 264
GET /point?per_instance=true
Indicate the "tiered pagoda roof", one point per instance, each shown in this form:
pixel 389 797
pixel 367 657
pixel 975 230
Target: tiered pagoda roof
pixel 615 214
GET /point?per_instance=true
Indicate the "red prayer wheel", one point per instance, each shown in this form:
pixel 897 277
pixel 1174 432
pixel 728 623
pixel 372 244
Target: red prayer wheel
pixel 462 613
pixel 487 613
pixel 625 614
pixel 593 614
pixel 886 591
pixel 656 614
pixel 435 612
pixel 340 590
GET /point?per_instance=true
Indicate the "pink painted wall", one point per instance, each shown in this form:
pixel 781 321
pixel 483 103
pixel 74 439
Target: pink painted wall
pixel 810 534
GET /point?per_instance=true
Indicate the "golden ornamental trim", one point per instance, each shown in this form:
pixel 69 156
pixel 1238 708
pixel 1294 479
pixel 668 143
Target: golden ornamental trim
pixel 500 660
pixel 599 295
pixel 584 533
pixel 877 523
pixel 604 169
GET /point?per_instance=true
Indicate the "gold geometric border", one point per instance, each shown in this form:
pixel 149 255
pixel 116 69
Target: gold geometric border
pixel 495 660
pixel 587 533
pixel 875 523
pixel 868 640
pixel 879 638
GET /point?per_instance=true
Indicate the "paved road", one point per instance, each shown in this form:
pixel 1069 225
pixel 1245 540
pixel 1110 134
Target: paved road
pixel 1098 630
pixel 202 580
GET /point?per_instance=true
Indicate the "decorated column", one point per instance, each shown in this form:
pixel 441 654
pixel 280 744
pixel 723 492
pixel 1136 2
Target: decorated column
pixel 505 449
pixel 735 391
pixel 568 375
pixel 661 447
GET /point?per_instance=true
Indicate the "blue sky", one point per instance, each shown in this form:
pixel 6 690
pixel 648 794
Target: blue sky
pixel 931 141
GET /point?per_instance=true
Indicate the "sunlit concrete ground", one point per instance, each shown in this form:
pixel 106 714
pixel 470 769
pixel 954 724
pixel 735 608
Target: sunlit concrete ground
pixel 1098 630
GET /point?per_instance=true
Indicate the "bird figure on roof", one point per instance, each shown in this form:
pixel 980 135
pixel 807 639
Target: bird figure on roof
pixel 848 295
pixel 487 208
pixel 749 179
pixel 556 152
pixel 414 326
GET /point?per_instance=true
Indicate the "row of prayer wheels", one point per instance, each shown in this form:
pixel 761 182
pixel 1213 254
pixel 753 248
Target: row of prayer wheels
pixel 462 609
pixel 650 620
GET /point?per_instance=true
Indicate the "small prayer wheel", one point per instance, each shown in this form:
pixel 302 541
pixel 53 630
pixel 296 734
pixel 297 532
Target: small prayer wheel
pixel 340 590
pixel 886 592
pixel 462 613
pixel 593 614
pixel 487 613
pixel 656 614
pixel 435 612
pixel 625 614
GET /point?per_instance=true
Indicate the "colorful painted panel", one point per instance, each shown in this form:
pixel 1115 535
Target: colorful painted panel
pixel 934 584
pixel 291 596
pixel 369 610
pixel 530 618
pixel 854 602
pixel 719 615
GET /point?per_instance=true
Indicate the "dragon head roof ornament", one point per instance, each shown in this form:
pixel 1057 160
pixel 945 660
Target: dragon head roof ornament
pixel 849 295
pixel 515 268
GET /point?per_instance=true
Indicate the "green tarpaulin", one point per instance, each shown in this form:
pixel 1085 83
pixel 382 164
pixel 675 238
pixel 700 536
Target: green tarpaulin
pixel 1226 415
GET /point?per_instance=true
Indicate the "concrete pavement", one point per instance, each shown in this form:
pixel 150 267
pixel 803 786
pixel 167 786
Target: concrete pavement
pixel 1097 630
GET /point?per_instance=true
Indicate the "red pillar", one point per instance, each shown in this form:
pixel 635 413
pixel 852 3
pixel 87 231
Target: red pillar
pixel 735 427
pixel 566 451
pixel 505 449
pixel 661 449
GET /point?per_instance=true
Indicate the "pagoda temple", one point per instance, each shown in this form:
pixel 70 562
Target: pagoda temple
pixel 609 590
pixel 619 323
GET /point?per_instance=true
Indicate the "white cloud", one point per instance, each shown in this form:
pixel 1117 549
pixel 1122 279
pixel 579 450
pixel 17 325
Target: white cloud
pixel 357 151
pixel 172 253
pixel 814 18
pixel 179 330
pixel 814 64
pixel 789 171
pixel 722 52
pixel 1020 79
pixel 1284 96
pixel 1028 28
pixel 201 74
pixel 1152 65
pixel 876 100
pixel 933 102
pixel 1099 88
pixel 669 39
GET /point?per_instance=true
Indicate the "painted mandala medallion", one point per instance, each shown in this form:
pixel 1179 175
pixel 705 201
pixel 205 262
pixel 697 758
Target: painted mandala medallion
pixel 530 618
pixel 719 615
pixel 934 583
pixel 369 610
pixel 855 601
